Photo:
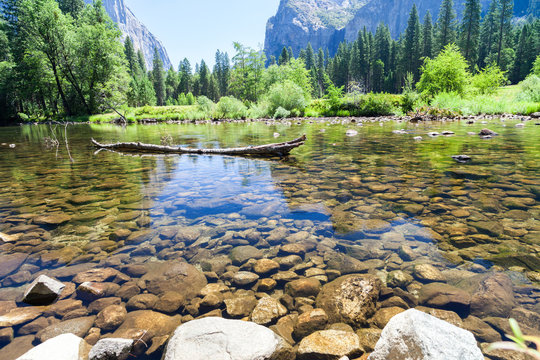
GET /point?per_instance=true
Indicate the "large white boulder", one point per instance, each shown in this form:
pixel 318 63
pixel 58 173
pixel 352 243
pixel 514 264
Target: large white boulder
pixel 222 339
pixel 415 335
pixel 62 347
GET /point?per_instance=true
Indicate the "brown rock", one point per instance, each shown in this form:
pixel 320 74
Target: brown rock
pixel 368 338
pixel 309 322
pixel 446 315
pixel 152 322
pixel 444 296
pixel 52 219
pixel 494 296
pixel 265 266
pixel 267 311
pixel 303 287
pixel 100 304
pixel 33 327
pixel 138 237
pixel 241 254
pixel 244 278
pixel 19 316
pixel 18 347
pixel 142 302
pixel 350 299
pixel 329 345
pixel 174 276
pixel 10 263
pixel 111 317
pixel 128 290
pixel 97 275
pixel 285 327
pixel 266 285
pixel 79 327
pixel 240 306
pixel 90 291
pixel 383 316
pixel 427 273
pixel 170 302
pixel 6 336
pixel 481 330
pixel 63 307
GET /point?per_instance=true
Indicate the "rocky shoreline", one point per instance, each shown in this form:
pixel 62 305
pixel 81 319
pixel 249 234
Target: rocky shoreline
pixel 315 312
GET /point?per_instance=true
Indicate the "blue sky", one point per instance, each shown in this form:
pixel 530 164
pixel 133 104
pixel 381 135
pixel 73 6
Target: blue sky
pixel 197 28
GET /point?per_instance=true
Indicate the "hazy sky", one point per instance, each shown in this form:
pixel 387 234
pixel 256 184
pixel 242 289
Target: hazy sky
pixel 197 28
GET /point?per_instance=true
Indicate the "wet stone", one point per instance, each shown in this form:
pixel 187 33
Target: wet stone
pixel 19 316
pixel 265 266
pixel 427 273
pixel 268 310
pixel 111 317
pixel 309 322
pixel 444 296
pixel 10 263
pixel 142 302
pixel 329 345
pixel 43 291
pixel 78 327
pixel 240 306
pixel 52 219
pixel 241 254
pixel 303 287
pixel 244 278
pixel 169 302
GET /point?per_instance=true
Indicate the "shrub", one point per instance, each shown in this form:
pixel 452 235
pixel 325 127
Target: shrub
pixel 409 97
pixel 488 80
pixel 23 117
pixel 335 96
pixel 536 66
pixel 281 113
pixel 530 89
pixel 287 95
pixel 446 73
pixel 190 99
pixel 259 110
pixel 205 105
pixel 376 105
pixel 230 107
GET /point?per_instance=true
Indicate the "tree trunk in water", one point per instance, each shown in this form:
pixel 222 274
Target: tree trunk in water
pixel 277 149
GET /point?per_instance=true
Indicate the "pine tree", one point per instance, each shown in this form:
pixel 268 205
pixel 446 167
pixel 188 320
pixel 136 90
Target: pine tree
pixel 171 86
pixel 284 57
pixel 446 25
pixel 382 43
pixel 310 57
pixel 487 34
pixel 470 31
pixel 158 77
pixel 141 61
pixel 71 7
pixel 131 56
pixel 290 53
pixel 204 79
pixel 525 54
pixel 185 75
pixel 427 36
pixel 222 72
pixel 505 12
pixel 411 44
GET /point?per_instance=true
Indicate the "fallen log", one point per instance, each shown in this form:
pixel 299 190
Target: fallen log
pixel 277 149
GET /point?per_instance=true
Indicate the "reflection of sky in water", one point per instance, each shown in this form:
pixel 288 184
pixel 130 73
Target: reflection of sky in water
pixel 200 188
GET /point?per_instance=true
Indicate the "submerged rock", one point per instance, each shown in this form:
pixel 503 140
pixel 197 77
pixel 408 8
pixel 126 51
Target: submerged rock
pixel 416 335
pixel 217 338
pixel 350 299
pixel 329 345
pixel 62 347
pixel 43 291
pixel 174 276
pixel 267 311
pixel 111 349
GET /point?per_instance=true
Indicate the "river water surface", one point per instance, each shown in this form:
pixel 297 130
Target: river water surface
pixel 380 198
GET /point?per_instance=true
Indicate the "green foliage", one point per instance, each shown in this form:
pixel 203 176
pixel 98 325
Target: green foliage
pixel 519 343
pixel 488 80
pixel 446 73
pixel 246 76
pixel 334 95
pixel 536 66
pixel 158 78
pixel 294 71
pixel 530 89
pixel 229 107
pixel 205 105
pixel 410 97
pixel 281 113
pixel 287 95
pixel 259 110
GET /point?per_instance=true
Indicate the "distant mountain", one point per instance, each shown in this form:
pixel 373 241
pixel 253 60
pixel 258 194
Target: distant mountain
pixel 326 23
pixel 131 26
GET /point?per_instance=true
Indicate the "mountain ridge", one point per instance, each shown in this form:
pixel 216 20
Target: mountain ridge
pixel 326 23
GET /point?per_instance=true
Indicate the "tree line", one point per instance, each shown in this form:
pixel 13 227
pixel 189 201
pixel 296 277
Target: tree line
pixel 62 57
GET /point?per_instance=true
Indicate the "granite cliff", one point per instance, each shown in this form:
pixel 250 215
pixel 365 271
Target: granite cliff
pixel 326 23
pixel 130 26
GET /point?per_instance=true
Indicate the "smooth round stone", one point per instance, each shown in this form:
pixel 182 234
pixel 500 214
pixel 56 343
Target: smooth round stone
pixel 309 322
pixel 267 311
pixel 329 344
pixel 428 273
pixel 243 278
pixel 111 317
pixel 142 302
pixel 170 302
pixel 265 266
pixel 240 306
pixel 303 287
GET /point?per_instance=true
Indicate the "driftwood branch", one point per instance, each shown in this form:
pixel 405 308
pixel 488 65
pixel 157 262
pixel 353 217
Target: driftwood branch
pixel 277 149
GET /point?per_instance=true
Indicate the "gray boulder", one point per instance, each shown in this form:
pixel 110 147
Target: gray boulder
pixel 43 291
pixel 63 347
pixel 222 339
pixel 414 335
pixel 111 349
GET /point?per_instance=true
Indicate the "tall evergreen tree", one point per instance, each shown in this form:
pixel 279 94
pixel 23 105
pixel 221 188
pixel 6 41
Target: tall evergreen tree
pixel 185 75
pixel 310 57
pixel 487 34
pixel 284 57
pixel 141 61
pixel 525 54
pixel 131 56
pixel 204 79
pixel 505 12
pixel 222 72
pixel 427 36
pixel 158 78
pixel 470 31
pixel 446 25
pixel 412 45
pixel 71 7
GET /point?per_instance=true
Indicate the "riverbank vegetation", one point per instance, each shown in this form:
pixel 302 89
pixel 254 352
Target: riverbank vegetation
pixel 67 60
